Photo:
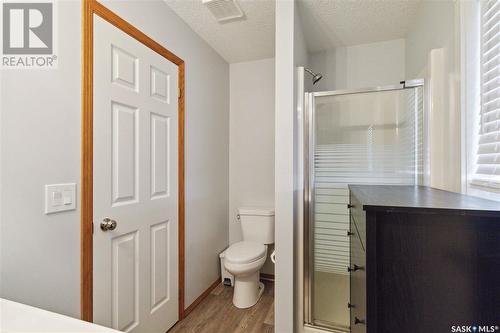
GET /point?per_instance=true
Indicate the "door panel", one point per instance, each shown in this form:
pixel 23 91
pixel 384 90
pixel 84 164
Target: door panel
pixel 159 266
pixel 124 302
pixel 160 85
pixel 125 68
pixel 125 159
pixel 160 129
pixel 135 184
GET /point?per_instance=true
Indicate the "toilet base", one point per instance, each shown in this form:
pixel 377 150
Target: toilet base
pixel 247 290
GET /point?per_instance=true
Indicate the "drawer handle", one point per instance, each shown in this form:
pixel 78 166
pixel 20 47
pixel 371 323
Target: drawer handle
pixel 355 268
pixel 359 321
pixel 350 306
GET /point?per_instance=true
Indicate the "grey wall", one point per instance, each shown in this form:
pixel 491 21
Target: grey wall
pixel 360 66
pixel 284 166
pixel 291 52
pixel 434 28
pixel 40 144
pixel 251 142
pixel 432 52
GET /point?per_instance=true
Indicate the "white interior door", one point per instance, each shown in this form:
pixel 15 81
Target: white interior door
pixel 135 184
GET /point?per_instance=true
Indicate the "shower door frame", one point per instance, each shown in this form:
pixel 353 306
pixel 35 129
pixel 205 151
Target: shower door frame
pixel 309 188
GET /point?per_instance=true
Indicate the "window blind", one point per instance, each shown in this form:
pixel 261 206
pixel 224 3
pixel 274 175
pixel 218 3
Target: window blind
pixel 488 152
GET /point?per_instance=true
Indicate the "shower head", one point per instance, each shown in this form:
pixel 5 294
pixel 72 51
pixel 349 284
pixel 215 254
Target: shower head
pixel 315 76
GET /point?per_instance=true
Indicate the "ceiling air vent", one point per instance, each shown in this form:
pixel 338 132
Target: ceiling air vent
pixel 224 10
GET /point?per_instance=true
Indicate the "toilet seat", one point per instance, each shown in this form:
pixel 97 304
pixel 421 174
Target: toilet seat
pixel 245 252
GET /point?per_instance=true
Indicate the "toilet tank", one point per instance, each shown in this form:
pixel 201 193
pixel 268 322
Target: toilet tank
pixel 257 225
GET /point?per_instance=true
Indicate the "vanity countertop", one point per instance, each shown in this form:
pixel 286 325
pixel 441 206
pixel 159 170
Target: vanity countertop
pixel 17 317
pixel 407 198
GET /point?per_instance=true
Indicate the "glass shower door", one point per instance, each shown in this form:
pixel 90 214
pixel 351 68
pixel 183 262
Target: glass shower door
pixel 369 137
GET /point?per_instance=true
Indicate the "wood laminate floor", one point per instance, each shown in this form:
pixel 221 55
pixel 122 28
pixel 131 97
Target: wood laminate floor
pixel 216 313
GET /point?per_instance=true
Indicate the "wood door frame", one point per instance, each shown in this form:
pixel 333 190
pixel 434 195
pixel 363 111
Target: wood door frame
pixel 89 8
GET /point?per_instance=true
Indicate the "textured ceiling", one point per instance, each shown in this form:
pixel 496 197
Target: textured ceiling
pixel 327 24
pixel 332 23
pixel 236 41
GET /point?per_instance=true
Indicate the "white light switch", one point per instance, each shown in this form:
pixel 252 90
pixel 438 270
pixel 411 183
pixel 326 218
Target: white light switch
pixel 60 197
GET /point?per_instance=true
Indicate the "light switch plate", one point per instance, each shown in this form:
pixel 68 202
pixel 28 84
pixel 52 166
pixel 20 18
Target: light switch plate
pixel 60 197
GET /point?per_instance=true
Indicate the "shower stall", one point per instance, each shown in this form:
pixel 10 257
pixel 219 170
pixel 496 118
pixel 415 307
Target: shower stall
pixel 365 136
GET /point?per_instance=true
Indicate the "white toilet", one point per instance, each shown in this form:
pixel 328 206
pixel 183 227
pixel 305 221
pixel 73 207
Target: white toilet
pixel 245 259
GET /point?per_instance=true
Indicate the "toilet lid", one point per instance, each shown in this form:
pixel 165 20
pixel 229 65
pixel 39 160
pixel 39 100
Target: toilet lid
pixel 245 252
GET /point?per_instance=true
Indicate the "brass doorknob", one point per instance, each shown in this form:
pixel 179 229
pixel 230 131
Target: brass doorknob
pixel 108 224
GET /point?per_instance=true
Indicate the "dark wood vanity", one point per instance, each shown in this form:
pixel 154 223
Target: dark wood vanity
pixel 422 260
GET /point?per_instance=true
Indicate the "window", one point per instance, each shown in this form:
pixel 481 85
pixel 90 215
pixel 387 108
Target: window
pixel 487 152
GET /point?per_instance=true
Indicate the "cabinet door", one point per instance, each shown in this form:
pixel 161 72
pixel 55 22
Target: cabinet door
pixel 358 281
